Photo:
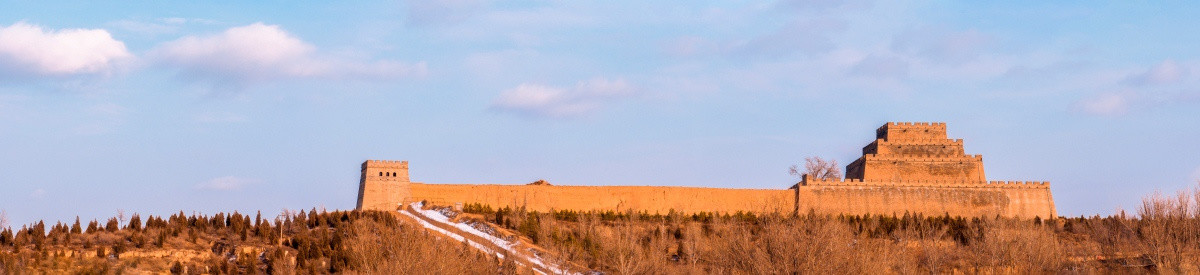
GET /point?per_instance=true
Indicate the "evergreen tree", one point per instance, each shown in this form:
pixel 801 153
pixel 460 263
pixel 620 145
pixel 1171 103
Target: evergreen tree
pixel 135 223
pixel 6 236
pixel 93 226
pixel 75 228
pixel 112 225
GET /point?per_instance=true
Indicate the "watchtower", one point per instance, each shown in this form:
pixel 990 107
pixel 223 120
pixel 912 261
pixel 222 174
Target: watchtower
pixel 384 185
pixel 915 151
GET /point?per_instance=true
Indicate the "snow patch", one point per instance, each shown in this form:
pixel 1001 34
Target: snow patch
pixel 440 216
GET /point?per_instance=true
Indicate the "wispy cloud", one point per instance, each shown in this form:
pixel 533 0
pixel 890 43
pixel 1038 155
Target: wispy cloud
pixel 30 50
pixel 1106 104
pixel 227 183
pixel 437 12
pixel 555 102
pixel 1165 83
pixel 1165 72
pixel 220 117
pixel 258 52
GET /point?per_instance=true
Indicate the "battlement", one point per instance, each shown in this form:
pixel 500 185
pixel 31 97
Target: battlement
pixel 399 164
pixel 916 124
pixel 911 130
pixel 809 181
pixel 924 158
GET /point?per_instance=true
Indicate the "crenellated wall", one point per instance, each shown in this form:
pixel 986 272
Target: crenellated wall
pixel 911 130
pixel 957 198
pixel 940 147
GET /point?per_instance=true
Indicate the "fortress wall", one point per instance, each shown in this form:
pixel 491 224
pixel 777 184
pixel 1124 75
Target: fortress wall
pixel 652 199
pixel 962 200
pixel 875 167
pixel 936 147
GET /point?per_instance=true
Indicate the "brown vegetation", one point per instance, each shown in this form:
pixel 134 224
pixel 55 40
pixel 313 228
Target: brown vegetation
pixel 369 242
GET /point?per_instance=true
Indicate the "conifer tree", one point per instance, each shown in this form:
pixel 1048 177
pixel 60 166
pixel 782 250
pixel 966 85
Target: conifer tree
pixel 112 225
pixel 75 228
pixel 6 236
pixel 135 223
pixel 93 226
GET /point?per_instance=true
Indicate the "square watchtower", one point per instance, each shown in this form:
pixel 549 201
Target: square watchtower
pixel 383 185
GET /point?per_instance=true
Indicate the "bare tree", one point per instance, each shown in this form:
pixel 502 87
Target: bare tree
pixel 817 168
pixel 3 219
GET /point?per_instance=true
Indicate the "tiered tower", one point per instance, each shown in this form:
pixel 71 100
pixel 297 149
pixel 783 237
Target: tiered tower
pixel 908 151
pixel 384 185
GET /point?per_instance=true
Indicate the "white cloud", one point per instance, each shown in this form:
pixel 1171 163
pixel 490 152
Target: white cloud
pixel 1106 104
pixel 38 193
pixel 260 52
pixel 27 49
pixel 546 101
pixel 226 183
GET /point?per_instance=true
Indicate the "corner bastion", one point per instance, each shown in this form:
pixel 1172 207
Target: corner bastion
pixel 908 168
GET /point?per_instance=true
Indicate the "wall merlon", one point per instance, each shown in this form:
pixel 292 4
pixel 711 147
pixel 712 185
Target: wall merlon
pixel 922 158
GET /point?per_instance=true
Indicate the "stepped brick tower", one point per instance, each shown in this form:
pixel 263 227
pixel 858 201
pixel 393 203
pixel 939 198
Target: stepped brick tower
pixel 915 151
pixel 913 167
pixel 384 185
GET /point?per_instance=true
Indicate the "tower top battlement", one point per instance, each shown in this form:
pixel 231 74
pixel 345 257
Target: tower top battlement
pixel 398 164
pixel 911 130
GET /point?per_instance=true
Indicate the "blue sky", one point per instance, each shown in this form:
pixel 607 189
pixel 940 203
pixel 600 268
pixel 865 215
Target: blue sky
pixel 155 107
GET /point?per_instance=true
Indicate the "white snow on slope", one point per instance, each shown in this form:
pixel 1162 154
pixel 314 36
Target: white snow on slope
pixel 506 245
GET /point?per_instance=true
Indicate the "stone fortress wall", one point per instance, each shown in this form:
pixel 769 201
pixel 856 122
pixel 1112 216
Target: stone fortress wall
pixel 910 167
pixel 652 199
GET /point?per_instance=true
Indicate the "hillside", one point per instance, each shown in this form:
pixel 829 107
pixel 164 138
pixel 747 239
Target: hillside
pixel 312 242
